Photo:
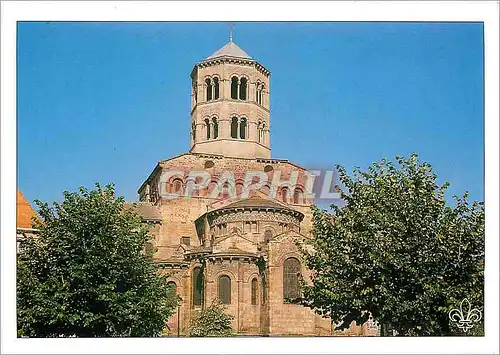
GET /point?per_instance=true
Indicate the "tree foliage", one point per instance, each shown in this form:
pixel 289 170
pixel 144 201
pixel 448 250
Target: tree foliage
pixel 211 322
pixel 397 250
pixel 86 274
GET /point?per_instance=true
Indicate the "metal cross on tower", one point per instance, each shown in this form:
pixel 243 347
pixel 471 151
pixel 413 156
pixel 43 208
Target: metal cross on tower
pixel 231 25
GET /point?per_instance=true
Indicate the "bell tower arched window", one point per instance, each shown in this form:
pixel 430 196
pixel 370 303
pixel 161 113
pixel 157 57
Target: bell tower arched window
pixel 234 87
pixel 195 92
pixel 193 131
pixel 261 127
pixel 215 128
pixel 243 88
pixel 259 94
pixel 234 127
pixel 207 128
pixel 216 88
pixel 263 133
pixel 208 85
pixel 291 273
pixel 243 128
pixel 225 289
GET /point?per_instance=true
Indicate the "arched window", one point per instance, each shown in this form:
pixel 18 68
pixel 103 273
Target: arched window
pixel 291 273
pixel 225 289
pixel 268 235
pixel 255 290
pixel 243 88
pixel 243 128
pixel 234 87
pixel 216 127
pixel 193 131
pixel 261 94
pixel 208 84
pixel 172 287
pixel 197 286
pixel 207 128
pixel 257 89
pixel 177 186
pixel 216 88
pixel 284 194
pixel 234 127
pixel 296 196
pixel 195 92
pixel 263 133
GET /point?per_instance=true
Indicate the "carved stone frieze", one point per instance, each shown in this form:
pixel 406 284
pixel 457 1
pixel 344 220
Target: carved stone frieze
pixel 266 216
pixel 240 109
pixel 209 110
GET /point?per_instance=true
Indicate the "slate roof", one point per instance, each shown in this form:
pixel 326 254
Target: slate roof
pixel 257 202
pixel 230 49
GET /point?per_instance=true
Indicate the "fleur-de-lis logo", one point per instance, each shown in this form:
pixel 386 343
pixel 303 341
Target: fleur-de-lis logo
pixel 465 316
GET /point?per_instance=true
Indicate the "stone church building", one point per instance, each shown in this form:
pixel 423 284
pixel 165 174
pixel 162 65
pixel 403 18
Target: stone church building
pixel 239 249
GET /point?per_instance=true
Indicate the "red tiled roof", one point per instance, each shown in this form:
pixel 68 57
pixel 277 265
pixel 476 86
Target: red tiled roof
pixel 24 212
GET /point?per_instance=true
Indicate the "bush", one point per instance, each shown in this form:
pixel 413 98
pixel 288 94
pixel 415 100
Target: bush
pixel 211 322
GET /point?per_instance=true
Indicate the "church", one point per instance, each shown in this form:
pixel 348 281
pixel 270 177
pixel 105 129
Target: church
pixel 225 241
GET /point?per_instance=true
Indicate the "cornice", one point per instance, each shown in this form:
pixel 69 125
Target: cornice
pixel 232 60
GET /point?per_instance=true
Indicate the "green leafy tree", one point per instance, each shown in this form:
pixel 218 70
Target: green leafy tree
pixel 87 274
pixel 396 250
pixel 211 322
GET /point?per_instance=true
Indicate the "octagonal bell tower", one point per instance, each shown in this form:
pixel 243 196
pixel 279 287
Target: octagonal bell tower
pixel 230 105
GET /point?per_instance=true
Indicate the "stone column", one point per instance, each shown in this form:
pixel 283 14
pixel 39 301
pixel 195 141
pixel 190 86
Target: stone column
pixel 204 131
pixel 239 300
pixel 227 89
pixel 253 134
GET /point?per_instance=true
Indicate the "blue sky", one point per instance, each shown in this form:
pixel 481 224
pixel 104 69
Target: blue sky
pixel 103 102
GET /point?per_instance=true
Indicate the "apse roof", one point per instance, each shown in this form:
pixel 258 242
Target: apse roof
pixel 257 202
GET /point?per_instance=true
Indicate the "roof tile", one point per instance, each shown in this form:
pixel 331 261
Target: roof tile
pixel 25 212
